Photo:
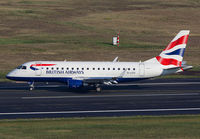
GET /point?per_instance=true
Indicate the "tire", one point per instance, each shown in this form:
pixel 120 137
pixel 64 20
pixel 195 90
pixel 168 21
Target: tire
pixel 98 89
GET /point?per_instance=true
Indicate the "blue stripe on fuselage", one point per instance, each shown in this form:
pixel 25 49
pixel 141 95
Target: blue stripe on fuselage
pixel 120 80
pixel 39 79
pixel 65 80
pixel 33 68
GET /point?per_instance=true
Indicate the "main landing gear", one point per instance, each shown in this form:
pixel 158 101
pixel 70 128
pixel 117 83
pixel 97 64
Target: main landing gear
pixel 31 85
pixel 98 88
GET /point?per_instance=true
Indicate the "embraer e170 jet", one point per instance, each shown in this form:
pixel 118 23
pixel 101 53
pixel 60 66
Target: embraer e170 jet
pixel 78 74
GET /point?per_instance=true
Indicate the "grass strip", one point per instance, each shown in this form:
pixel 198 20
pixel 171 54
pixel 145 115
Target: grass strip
pixel 151 127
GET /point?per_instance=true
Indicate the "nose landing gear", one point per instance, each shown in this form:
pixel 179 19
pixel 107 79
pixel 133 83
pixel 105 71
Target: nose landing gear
pixel 31 85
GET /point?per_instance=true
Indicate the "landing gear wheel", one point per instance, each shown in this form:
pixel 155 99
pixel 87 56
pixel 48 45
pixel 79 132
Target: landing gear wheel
pixel 98 89
pixel 31 85
pixel 31 88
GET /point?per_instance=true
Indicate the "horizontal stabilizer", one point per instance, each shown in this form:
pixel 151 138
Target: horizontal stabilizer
pixel 187 67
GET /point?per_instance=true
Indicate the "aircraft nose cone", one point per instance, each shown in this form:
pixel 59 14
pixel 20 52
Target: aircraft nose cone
pixel 10 75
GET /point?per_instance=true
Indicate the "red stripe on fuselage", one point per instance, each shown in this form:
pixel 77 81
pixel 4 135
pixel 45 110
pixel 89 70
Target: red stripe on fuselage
pixel 168 61
pixel 181 40
pixel 43 65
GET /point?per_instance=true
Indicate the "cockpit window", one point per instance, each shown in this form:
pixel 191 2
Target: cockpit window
pixel 19 67
pixel 22 67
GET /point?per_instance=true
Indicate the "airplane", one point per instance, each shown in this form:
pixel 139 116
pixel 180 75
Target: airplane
pixel 77 74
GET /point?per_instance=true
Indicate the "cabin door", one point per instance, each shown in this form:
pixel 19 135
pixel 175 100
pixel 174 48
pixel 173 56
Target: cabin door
pixel 38 70
pixel 141 69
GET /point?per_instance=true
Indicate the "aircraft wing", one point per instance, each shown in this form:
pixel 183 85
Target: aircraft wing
pixel 106 81
pixel 98 80
pixel 101 80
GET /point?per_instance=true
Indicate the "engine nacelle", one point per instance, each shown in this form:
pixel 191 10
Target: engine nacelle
pixel 75 83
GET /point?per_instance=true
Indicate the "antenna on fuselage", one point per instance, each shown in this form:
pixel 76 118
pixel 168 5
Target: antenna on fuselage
pixel 116 59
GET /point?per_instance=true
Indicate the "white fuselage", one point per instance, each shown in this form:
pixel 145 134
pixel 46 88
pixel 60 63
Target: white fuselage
pixel 64 70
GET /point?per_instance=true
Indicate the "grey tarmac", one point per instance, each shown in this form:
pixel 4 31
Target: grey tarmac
pixel 148 97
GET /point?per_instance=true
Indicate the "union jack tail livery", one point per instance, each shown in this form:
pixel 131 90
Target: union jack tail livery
pixel 172 55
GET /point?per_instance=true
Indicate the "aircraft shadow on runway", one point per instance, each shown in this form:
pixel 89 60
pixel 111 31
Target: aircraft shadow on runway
pixel 55 87
pixel 64 88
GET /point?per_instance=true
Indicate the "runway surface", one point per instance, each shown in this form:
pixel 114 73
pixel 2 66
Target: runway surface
pixel 150 97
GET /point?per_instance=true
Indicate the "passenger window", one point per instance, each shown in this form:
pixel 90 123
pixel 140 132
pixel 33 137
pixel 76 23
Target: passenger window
pixel 52 68
pixel 108 68
pixel 67 68
pixel 87 68
pixel 113 68
pixel 133 68
pixel 77 68
pixel 124 69
pixel 72 68
pixel 62 68
pixel 98 68
pixel 93 68
pixel 103 68
pixel 47 68
pixel 82 68
pixel 118 68
pixel 128 68
pixel 57 68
